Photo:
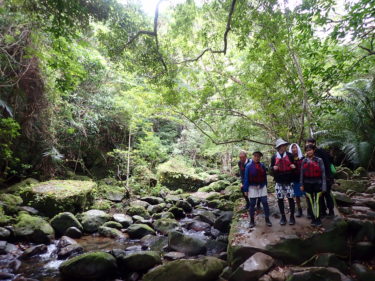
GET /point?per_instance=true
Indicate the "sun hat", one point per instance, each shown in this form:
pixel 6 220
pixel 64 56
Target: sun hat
pixel 258 152
pixel 280 142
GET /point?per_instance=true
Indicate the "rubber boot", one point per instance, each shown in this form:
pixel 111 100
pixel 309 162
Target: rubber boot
pixel 292 220
pixel 283 220
pixel 268 222
pixel 252 222
pixel 299 213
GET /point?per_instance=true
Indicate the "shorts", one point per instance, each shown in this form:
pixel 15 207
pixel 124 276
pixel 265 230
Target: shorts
pixel 284 190
pixel 297 190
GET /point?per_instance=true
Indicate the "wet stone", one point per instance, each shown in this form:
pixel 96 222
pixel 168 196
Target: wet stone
pixel 125 220
pixel 174 255
pixel 4 233
pixel 69 251
pixel 73 232
pixel 33 250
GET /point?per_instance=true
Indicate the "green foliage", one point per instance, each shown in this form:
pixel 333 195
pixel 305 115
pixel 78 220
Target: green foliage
pixel 9 131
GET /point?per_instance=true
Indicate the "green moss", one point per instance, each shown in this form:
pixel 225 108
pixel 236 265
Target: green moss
pixel 33 228
pixel 53 197
pixel 138 210
pixel 103 189
pixel 4 219
pixel 19 187
pixel 10 202
pixel 102 204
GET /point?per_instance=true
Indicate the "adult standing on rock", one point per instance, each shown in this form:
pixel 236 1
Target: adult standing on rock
pixel 326 200
pixel 313 181
pixel 255 186
pixel 282 166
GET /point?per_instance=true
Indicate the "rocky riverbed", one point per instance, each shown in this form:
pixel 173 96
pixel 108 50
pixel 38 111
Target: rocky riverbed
pixel 201 235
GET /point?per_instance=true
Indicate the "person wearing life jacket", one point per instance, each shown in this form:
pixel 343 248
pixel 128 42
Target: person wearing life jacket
pixel 282 166
pixel 326 200
pixel 255 187
pixel 295 150
pixel 313 182
pixel 241 165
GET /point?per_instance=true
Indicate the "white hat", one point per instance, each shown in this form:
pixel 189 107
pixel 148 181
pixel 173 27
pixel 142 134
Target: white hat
pixel 280 142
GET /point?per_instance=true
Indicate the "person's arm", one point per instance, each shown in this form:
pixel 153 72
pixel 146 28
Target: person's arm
pixel 273 160
pixel 265 170
pixel 324 181
pixel 246 179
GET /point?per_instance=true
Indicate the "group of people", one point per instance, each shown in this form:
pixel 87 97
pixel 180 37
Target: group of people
pixel 295 176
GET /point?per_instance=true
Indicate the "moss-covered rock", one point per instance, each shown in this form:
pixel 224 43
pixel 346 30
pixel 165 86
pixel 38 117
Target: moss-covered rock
pixel 164 226
pixel 139 230
pixel 102 204
pixel 18 187
pixel 110 232
pixel 140 261
pixel 345 185
pixel 4 219
pixel 10 203
pixel 343 173
pixel 61 222
pixel 175 174
pixel 89 266
pixel 53 197
pixel 137 210
pixel 186 244
pixel 215 186
pixel 360 172
pixel 205 269
pixel 93 219
pixel 33 229
pixel 113 224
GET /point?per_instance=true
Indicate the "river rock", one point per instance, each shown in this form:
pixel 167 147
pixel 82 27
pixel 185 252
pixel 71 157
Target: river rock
pixel 331 260
pixel 125 220
pixel 164 226
pixel 206 216
pixel 199 226
pixel 205 269
pixel 65 241
pixel 174 255
pixel 153 200
pixel 114 195
pixel 363 250
pixel 141 203
pixel 356 185
pixel 62 221
pixel 178 213
pixel 223 222
pixel 138 211
pixel 317 273
pixel 89 266
pixel 4 233
pixel 137 231
pixel 185 244
pixel 140 261
pixel 184 205
pixel 154 243
pixel 153 209
pixel 10 203
pixel 110 232
pixel 362 272
pixel 69 251
pixel 342 199
pixel 163 215
pixel 113 224
pixel 91 220
pixel 73 232
pixel 56 196
pixel 253 268
pixel 33 251
pixel 33 228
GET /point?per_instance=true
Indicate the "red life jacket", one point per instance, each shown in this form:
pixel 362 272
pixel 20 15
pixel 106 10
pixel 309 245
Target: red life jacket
pixel 283 163
pixel 260 174
pixel 311 169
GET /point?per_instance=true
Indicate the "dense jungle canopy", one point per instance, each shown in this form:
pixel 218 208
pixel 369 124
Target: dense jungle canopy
pixel 101 88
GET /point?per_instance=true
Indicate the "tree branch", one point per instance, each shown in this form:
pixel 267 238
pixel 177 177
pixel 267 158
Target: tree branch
pixel 213 138
pixel 153 33
pixel 225 39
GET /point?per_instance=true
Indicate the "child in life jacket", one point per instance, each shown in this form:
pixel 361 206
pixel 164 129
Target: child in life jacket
pixel 255 186
pixel 313 182
pixel 282 166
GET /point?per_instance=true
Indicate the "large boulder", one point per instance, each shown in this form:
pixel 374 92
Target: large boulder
pixel 61 222
pixel 89 266
pixel 253 268
pixel 137 210
pixel 10 203
pixel 110 232
pixel 140 261
pixel 205 269
pixel 137 231
pixel 125 220
pixel 185 244
pixel 53 197
pixel 176 174
pixel 92 219
pixel 34 229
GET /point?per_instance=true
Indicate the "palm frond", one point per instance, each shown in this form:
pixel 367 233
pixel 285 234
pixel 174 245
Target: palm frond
pixel 6 107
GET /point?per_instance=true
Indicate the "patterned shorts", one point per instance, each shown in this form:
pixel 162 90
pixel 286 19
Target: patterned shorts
pixel 284 190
